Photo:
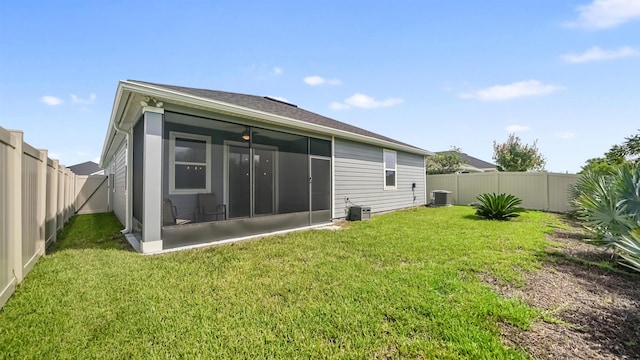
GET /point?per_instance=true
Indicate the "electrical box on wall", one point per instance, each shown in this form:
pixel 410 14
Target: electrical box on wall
pixel 357 213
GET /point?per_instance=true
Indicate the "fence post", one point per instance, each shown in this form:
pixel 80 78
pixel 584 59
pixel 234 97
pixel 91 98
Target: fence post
pixel 546 191
pixel 457 193
pixel 54 199
pixel 60 213
pixel 15 203
pixel 66 195
pixel 42 200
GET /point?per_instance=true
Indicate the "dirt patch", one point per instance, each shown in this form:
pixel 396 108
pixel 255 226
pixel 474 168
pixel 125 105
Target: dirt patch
pixel 590 312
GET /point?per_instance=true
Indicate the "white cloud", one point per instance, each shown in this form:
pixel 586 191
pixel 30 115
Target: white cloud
pixel 53 155
pixel 602 14
pixel 262 71
pixel 511 91
pixel 596 53
pixel 77 100
pixel 51 100
pixel 319 80
pixel 366 102
pixel 339 106
pixel 517 128
pixel 96 159
pixel 564 135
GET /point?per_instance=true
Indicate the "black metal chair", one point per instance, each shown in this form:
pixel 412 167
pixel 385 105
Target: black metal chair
pixel 170 215
pixel 209 207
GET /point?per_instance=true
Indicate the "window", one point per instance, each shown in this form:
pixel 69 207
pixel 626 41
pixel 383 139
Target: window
pixel 189 163
pixel 390 169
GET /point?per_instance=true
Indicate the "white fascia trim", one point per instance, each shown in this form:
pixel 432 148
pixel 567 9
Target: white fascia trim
pixel 153 91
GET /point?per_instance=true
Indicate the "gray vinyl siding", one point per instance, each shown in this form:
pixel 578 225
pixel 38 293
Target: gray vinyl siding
pixel 359 176
pixel 118 191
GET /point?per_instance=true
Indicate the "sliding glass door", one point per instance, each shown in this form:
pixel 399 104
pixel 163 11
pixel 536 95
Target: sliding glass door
pixel 275 173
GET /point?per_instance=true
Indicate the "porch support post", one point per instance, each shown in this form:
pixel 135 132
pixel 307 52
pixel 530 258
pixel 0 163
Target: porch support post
pixel 151 180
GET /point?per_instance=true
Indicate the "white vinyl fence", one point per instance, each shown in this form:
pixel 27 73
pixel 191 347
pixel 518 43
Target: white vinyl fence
pixel 538 190
pixel 36 200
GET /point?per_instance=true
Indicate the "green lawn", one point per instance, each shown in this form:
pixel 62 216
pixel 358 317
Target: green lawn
pixel 401 285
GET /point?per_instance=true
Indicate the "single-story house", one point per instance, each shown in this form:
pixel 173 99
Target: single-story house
pixel 192 166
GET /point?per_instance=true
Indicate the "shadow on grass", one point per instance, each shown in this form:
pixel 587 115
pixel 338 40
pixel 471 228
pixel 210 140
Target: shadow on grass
pixel 91 231
pixel 611 321
pixel 590 260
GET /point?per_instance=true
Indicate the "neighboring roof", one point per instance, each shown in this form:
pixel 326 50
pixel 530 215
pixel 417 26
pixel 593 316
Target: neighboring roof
pixel 250 106
pixel 85 168
pixel 471 161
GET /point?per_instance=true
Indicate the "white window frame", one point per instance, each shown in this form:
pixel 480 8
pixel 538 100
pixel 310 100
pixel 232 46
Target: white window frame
pixel 385 168
pixel 172 163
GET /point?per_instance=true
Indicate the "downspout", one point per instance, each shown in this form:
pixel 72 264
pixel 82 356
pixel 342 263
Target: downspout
pixel 127 225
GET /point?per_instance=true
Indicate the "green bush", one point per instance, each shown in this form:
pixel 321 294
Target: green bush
pixel 498 207
pixel 609 205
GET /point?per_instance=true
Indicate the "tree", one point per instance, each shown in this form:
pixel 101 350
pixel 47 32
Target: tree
pixel 515 156
pixel 627 152
pixel 600 166
pixel 448 162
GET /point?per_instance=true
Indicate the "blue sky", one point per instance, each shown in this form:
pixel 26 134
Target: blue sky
pixel 434 74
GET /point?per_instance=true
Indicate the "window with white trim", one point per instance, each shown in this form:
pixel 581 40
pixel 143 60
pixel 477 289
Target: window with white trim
pixel 390 158
pixel 189 163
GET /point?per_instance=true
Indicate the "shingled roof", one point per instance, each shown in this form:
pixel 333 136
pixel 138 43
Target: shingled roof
pixel 275 107
pixel 85 168
pixel 470 160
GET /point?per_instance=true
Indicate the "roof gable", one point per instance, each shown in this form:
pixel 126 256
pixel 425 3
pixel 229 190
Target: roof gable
pixel 85 168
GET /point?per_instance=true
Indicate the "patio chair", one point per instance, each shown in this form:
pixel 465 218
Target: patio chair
pixel 209 207
pixel 170 215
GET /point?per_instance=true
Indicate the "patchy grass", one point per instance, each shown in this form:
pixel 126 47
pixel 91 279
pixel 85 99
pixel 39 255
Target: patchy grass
pixel 94 231
pixel 403 284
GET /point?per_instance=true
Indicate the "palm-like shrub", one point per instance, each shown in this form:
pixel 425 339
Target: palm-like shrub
pixel 629 249
pixel 498 207
pixel 609 205
pixel 598 204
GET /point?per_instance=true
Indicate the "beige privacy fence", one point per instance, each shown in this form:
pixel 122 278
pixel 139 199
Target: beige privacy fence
pixel 538 190
pixel 37 197
pixel 92 194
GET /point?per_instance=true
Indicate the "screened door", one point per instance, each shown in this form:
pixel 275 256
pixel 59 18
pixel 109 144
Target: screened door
pixel 320 190
pixel 264 189
pixel 239 181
